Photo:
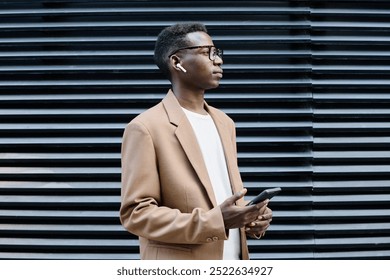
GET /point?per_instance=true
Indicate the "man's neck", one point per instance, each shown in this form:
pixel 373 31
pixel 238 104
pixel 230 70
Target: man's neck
pixel 190 100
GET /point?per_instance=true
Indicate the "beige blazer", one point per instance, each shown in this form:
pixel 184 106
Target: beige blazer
pixel 167 197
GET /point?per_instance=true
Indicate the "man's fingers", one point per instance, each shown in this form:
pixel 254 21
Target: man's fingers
pixel 265 217
pixel 232 200
pixel 238 195
pixel 241 193
pixel 262 204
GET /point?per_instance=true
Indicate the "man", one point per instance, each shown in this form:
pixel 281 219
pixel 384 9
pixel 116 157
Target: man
pixel 182 192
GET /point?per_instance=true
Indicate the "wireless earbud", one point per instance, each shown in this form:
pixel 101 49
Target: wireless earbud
pixel 181 67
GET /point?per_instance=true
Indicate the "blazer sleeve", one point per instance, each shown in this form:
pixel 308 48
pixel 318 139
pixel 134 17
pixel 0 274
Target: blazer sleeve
pixel 141 212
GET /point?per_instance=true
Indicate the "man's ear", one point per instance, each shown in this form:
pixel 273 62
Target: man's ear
pixel 174 60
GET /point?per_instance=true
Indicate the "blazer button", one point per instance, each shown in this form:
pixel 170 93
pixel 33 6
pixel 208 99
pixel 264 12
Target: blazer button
pixel 215 238
pixel 209 239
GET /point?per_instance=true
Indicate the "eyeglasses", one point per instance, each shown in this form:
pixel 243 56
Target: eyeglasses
pixel 213 51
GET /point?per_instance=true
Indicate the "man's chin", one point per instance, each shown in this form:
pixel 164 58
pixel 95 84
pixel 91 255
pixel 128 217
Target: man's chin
pixel 214 85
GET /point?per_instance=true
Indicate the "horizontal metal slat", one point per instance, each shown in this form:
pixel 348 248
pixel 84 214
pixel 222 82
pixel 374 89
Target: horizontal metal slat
pixel 351 141
pixel 59 156
pixel 148 83
pixel 90 98
pixel 155 97
pixel 360 11
pixel 351 83
pixel 25 128
pixel 63 141
pixel 58 199
pixel 34 55
pixel 83 129
pixel 120 111
pixel 158 10
pixel 230 68
pixel 34 187
pixel 59 170
pixel 369 184
pixel 351 215
pixel 300 186
pixel 351 54
pixel 81 39
pixel 351 111
pixel 352 228
pixel 352 169
pixel 68 256
pixel 279 169
pixel 91 25
pixel 78 83
pixel 354 254
pixel 298 140
pixel 60 229
pixel 61 174
pixel 335 156
pixel 353 199
pixel 353 69
pixel 360 25
pixel 25 243
pixel 60 141
pixel 355 39
pixel 273 125
pixel 78 54
pixel 289 228
pixel 302 214
pixel 59 215
pixel 274 155
pixel 268 244
pixel 293 255
pixel 333 97
pixel 354 242
pixel 234 38
pixel 353 126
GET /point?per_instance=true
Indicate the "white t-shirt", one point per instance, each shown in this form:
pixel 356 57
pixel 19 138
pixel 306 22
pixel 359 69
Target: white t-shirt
pixel 214 157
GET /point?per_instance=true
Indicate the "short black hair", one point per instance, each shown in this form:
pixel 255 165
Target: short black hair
pixel 172 38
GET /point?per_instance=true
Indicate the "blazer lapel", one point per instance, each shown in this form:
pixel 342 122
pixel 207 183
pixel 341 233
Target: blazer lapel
pixel 187 139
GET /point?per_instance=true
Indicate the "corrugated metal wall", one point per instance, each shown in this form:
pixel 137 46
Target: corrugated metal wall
pixel 351 128
pixel 307 83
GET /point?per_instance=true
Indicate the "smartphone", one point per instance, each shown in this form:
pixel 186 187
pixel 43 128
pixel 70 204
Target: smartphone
pixel 266 194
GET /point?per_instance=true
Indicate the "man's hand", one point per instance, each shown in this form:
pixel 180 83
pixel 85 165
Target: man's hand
pixel 242 216
pixel 258 227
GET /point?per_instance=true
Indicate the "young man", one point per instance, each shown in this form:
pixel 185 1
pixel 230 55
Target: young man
pixel 182 192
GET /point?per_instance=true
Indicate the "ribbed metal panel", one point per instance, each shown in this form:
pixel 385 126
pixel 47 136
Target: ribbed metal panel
pixel 310 101
pixel 351 195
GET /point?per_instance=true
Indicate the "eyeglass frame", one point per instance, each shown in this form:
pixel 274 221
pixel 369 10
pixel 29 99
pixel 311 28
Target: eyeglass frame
pixel 218 52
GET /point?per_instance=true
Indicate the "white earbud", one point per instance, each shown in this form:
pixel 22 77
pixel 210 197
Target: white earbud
pixel 181 67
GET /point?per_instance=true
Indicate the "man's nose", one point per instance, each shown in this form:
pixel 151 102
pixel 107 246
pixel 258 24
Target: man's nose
pixel 218 60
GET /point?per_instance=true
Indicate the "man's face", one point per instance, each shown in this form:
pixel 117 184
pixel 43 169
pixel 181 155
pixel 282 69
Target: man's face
pixel 202 73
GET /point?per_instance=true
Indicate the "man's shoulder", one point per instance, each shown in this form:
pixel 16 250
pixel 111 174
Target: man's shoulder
pixel 150 116
pixel 150 119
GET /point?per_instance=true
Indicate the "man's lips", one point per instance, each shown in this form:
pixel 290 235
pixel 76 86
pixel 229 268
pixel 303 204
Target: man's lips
pixel 219 73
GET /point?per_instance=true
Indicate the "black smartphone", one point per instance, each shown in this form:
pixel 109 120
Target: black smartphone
pixel 266 194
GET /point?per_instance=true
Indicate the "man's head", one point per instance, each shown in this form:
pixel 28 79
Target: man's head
pixel 186 54
pixel 172 38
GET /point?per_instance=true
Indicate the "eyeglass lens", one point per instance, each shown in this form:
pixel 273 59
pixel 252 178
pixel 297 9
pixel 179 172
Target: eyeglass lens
pixel 214 52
